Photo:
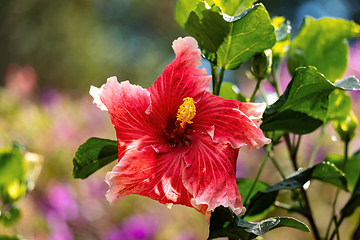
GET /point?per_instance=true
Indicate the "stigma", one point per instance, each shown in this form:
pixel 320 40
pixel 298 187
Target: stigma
pixel 186 111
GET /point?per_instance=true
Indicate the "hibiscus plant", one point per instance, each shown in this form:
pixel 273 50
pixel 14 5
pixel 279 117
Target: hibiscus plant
pixel 178 141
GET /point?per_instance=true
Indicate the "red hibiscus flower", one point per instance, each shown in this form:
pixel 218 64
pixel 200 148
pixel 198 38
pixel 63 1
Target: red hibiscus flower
pixel 178 143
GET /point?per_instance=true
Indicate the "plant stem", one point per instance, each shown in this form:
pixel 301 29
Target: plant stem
pixel 268 149
pixel 317 146
pixel 277 166
pixel 214 73
pixel 337 224
pixel 293 149
pixel 219 82
pixel 255 90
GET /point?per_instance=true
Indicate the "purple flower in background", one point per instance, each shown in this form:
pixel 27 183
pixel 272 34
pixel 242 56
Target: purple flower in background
pixel 62 202
pixel 137 227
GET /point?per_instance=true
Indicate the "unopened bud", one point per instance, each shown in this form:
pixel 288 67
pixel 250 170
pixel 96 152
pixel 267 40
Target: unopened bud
pixel 346 129
pixel 261 64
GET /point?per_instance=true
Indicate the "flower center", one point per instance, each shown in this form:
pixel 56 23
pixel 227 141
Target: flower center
pixel 186 111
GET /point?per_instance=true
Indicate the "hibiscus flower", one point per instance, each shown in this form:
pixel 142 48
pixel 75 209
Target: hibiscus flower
pixel 178 143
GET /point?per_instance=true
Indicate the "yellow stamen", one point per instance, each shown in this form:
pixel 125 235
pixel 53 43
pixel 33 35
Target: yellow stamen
pixel 186 112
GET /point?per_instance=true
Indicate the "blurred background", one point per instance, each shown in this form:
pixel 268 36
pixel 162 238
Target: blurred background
pixel 50 54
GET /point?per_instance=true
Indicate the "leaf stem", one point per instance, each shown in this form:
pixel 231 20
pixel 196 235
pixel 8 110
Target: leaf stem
pixel 268 149
pixel 333 218
pixel 255 90
pixel 293 149
pixel 214 73
pixel 317 146
pixel 220 80
pixel 277 166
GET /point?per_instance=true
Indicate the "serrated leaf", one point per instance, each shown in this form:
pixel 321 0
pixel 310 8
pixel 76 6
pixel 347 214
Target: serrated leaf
pixel 351 170
pixel 324 171
pixel 231 91
pixel 304 105
pixel 227 41
pixel 322 44
pixel 92 155
pixel 224 223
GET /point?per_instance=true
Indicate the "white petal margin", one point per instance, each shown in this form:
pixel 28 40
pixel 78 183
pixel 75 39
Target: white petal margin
pixel 96 93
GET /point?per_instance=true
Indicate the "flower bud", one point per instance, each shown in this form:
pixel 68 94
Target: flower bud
pixel 346 129
pixel 261 64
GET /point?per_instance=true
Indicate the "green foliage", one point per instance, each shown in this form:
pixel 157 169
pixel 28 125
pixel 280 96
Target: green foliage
pixel 231 91
pixel 12 175
pixel 224 223
pixel 232 7
pixel 10 216
pixel 322 44
pixel 324 171
pixel 352 168
pixel 304 105
pixel 353 202
pixel 282 30
pixel 346 128
pixel 226 41
pixel 92 155
pixel 339 105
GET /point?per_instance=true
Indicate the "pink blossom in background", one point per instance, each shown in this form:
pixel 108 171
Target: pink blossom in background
pixel 178 144
pixel 21 81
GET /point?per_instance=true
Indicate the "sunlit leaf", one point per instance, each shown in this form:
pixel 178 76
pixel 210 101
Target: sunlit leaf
pixel 322 44
pixel 12 166
pixel 304 105
pixel 227 41
pixel 232 7
pixel 324 171
pixel 232 92
pixel 93 155
pixel 282 30
pixel 224 223
pixel 352 168
pixel 339 105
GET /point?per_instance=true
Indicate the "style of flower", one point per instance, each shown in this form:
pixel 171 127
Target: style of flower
pixel 177 142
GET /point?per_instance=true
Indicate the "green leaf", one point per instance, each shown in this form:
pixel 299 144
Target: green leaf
pixel 227 41
pixel 245 185
pixel 353 202
pixel 324 171
pixel 322 44
pixel 282 30
pixel 12 166
pixel 292 223
pixel 93 155
pixel 224 223
pixel 10 216
pixel 304 105
pixel 231 91
pixel 10 238
pixel 351 170
pixel 232 7
pixel 339 106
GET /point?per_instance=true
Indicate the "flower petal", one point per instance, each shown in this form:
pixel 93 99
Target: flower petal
pixel 147 173
pixel 210 175
pixel 230 121
pixel 181 78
